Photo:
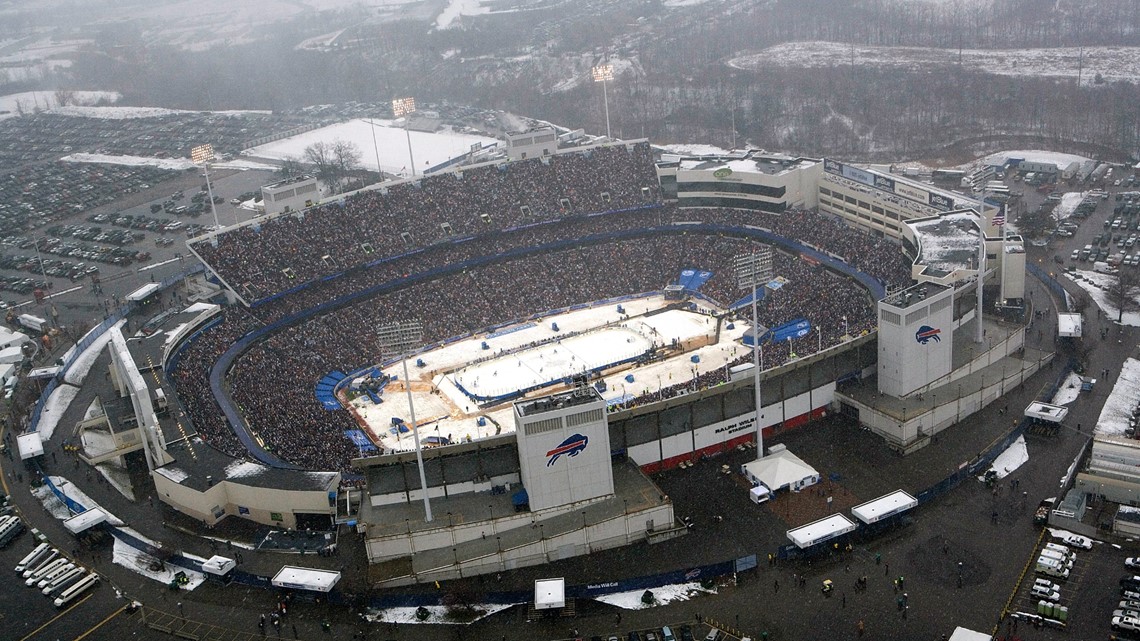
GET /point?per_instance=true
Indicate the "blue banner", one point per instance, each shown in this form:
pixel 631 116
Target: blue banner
pixel 359 439
pixel 795 329
pixel 692 278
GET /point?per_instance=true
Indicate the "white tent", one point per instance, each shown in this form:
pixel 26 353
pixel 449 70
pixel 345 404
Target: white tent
pixel 9 338
pixel 549 594
pixel 1069 325
pixel 13 354
pixel 780 469
pixel 962 634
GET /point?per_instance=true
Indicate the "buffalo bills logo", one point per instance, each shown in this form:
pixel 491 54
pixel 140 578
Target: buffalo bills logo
pixel 926 333
pixel 570 447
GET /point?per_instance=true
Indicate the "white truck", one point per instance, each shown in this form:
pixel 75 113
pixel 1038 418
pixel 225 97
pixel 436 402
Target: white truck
pixel 34 323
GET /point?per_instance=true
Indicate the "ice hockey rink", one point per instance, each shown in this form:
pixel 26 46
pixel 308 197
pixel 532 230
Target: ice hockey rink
pixel 451 384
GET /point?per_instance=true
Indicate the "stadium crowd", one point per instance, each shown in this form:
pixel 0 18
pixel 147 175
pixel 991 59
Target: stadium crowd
pixel 273 382
pixel 388 221
pixel 512 250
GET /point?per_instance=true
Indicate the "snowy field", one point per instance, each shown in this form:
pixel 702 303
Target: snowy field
pixel 445 411
pixel 1123 398
pixel 1112 63
pixel 429 149
pixel 177 164
pixel 1099 287
pixel 32 101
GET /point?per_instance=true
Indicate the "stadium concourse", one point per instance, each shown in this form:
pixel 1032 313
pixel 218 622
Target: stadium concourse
pixel 533 236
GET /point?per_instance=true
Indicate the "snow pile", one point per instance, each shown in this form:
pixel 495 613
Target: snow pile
pixel 82 365
pixel 662 595
pixel 177 164
pixel 244 165
pixel 117 113
pixel 1068 204
pixel 146 565
pixel 54 408
pixel 438 614
pixel 1123 398
pixel 448 18
pixel 1009 460
pixel 1058 533
pixel 694 150
pixel 1099 287
pixel 52 504
pixel 244 469
pixel 34 101
pixel 1069 390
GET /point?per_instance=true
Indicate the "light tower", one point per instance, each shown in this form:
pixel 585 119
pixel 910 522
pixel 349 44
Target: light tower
pixel 204 155
pixel 601 74
pixel 752 269
pixel 401 338
pixel 402 107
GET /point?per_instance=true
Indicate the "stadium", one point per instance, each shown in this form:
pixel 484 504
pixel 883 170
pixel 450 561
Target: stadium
pixel 577 321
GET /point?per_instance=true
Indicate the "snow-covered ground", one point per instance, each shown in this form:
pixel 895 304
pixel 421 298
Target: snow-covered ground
pixel 31 101
pixel 1034 155
pixel 177 164
pixel 1099 287
pixel 438 614
pixel 141 563
pixel 82 365
pixel 1068 204
pixel 391 143
pixel 662 595
pixel 1063 535
pixel 1123 398
pixel 1010 459
pixel 1111 63
pixel 54 408
pixel 1069 390
pixel 451 14
pixel 694 149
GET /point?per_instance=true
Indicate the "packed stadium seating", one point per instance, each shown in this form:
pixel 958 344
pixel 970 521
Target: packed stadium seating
pixel 519 270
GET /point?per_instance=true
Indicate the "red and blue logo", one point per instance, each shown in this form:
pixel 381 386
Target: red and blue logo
pixel 572 446
pixel 926 333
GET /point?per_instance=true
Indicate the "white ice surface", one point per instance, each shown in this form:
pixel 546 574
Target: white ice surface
pixel 1010 459
pixel 1069 390
pixel 429 149
pixel 452 414
pixel 664 594
pixel 1125 394
pixel 82 365
pixel 54 408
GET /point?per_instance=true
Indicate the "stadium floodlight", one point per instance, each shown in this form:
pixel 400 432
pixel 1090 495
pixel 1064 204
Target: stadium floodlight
pixel 406 107
pixel 401 338
pixel 752 269
pixel 979 334
pixel 602 73
pixel 204 155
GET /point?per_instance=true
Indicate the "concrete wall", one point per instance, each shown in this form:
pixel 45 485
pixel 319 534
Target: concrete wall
pixel 262 504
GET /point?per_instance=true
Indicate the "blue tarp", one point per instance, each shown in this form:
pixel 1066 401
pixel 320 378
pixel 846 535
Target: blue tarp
pixel 794 329
pixel 692 278
pixel 359 439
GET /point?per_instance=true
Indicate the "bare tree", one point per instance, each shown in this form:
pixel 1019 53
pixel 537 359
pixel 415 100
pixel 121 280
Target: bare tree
pixel 1124 292
pixel 333 161
pixel 291 166
pixel 64 97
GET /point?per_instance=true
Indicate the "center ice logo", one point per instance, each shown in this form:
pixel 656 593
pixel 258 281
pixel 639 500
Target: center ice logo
pixel 570 447
pixel 926 333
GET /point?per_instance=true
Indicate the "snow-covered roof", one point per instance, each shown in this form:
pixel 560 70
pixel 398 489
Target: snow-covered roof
pixel 884 506
pixel 822 530
pixel 947 243
pixel 1069 325
pixel 305 579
